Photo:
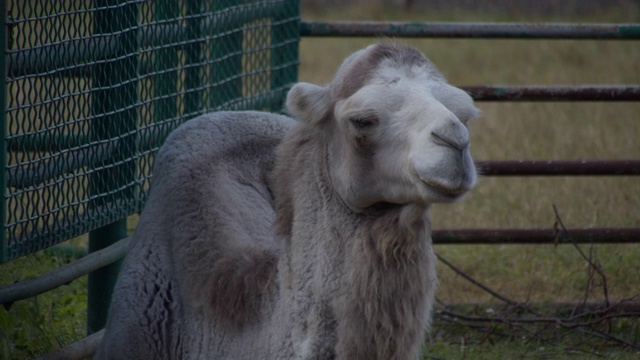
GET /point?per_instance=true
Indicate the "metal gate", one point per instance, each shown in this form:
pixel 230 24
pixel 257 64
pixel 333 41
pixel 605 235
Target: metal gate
pixel 628 167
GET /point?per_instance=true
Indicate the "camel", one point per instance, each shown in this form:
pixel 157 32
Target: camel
pixel 267 237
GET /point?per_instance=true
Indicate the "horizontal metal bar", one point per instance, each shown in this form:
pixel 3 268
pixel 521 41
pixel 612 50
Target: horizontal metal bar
pixel 61 56
pixel 81 349
pixel 45 142
pixel 64 274
pixel 559 168
pixel 555 93
pixel 536 236
pixel 470 30
pixel 21 177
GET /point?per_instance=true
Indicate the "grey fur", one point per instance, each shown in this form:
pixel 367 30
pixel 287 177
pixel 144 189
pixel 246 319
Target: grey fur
pixel 256 245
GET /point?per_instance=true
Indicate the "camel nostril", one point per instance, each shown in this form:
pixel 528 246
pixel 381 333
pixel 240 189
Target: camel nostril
pixel 452 142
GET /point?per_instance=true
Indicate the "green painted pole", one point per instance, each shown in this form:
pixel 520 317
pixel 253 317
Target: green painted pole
pixel 166 65
pixel 102 281
pixel 285 37
pixel 115 91
pixel 3 135
pixel 192 73
pixel 226 67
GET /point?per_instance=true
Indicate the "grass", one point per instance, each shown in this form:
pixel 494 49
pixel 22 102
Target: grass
pixel 517 349
pixel 38 325
pixel 537 274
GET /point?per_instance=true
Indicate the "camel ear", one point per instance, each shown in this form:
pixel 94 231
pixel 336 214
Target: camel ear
pixel 457 101
pixel 309 103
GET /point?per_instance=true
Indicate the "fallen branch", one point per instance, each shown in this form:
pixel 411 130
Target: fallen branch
pixel 476 282
pixel 593 265
pixel 569 323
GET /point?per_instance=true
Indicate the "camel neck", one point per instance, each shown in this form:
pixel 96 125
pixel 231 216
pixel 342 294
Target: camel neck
pixel 387 287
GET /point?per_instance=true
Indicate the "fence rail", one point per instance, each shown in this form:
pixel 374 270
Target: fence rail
pixel 470 30
pixel 555 93
pixel 64 274
pixel 537 236
pixel 560 168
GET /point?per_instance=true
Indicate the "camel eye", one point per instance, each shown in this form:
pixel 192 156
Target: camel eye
pixel 363 123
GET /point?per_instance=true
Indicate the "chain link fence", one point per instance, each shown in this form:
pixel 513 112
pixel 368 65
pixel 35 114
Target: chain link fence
pixel 94 87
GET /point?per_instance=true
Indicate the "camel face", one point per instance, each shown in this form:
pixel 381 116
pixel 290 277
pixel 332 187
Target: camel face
pixel 416 149
pixel 397 130
pixel 438 156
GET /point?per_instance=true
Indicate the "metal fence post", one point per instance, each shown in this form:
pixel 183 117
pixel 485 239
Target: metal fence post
pixel 166 62
pixel 226 56
pixel 282 77
pixel 115 91
pixel 4 33
pixel 192 73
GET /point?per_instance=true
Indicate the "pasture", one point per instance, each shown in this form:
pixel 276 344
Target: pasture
pixel 532 274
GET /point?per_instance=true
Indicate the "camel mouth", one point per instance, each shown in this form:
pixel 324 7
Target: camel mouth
pixel 446 192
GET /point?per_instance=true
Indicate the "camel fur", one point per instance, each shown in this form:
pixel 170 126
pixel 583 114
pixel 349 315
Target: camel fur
pixel 266 237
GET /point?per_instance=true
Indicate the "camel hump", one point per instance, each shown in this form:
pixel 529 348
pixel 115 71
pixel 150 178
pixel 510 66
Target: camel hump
pixel 212 174
pixel 235 139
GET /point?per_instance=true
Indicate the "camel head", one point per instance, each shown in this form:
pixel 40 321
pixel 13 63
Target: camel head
pixel 395 130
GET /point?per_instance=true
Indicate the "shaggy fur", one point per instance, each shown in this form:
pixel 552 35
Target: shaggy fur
pixel 311 245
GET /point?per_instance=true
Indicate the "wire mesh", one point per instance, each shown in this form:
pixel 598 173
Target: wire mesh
pixel 94 87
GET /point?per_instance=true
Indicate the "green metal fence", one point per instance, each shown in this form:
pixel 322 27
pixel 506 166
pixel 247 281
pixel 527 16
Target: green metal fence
pixel 94 87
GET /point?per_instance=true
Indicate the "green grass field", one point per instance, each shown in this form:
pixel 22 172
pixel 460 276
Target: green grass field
pixel 536 274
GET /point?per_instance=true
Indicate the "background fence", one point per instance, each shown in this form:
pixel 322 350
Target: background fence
pixel 94 87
